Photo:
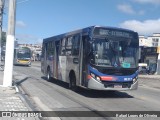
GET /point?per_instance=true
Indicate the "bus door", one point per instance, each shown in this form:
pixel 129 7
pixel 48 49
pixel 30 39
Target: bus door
pixel 75 60
pixel 56 59
pixel 44 59
pixel 62 61
pixel 83 66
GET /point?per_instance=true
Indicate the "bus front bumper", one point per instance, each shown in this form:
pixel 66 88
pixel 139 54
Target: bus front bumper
pixel 94 84
pixel 22 63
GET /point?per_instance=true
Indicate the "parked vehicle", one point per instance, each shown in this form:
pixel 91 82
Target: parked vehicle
pixel 143 67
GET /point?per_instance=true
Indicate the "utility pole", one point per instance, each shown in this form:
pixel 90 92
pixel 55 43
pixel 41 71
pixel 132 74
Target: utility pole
pixel 8 69
pixel 1 19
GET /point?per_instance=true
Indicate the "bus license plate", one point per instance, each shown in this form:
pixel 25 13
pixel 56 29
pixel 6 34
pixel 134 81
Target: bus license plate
pixel 22 61
pixel 117 86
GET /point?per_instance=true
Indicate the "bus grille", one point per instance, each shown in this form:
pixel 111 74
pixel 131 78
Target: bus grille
pixel 111 84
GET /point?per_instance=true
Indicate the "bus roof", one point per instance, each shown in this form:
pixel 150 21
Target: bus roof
pixel 87 30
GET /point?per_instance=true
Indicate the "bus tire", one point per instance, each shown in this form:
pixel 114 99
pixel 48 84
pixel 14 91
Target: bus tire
pixel 48 74
pixel 72 83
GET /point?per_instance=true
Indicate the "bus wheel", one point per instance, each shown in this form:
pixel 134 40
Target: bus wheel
pixel 48 75
pixel 72 83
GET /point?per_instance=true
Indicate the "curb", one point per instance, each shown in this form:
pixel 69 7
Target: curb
pixel 34 104
pixel 16 88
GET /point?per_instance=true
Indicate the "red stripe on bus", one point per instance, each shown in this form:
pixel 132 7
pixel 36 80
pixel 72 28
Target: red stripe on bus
pixel 89 77
pixel 105 78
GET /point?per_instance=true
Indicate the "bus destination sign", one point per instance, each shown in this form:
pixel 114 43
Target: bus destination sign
pixel 109 32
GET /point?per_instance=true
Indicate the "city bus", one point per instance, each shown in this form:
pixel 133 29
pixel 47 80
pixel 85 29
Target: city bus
pixel 96 57
pixel 22 56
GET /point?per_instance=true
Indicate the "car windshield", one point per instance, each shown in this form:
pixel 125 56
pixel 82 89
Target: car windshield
pixel 114 53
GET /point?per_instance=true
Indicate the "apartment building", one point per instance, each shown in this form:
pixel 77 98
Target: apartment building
pixel 154 39
pixel 150 41
pixel 143 41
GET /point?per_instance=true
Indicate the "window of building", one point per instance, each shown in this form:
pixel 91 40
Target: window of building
pixel 154 44
pixel 155 39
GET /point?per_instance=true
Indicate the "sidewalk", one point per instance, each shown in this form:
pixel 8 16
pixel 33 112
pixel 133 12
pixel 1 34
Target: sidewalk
pixel 150 77
pixel 11 100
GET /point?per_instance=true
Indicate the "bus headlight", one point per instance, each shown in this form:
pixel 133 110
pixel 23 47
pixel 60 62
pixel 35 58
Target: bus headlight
pixel 98 78
pixel 135 79
pixel 95 77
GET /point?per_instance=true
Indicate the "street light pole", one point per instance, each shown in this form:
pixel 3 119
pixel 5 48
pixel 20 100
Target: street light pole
pixel 7 79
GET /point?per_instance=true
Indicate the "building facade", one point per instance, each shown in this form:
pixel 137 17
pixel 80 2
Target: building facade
pixel 150 51
pixel 150 41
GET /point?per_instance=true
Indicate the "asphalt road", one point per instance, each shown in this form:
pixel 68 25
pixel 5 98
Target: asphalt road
pixel 55 95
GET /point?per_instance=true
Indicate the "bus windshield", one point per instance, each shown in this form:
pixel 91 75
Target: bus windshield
pixel 23 55
pixel 114 53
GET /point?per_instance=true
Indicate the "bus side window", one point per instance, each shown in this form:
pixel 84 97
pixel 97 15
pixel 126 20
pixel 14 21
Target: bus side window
pixel 46 49
pixel 52 49
pixel 63 50
pixel 69 45
pixel 75 45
